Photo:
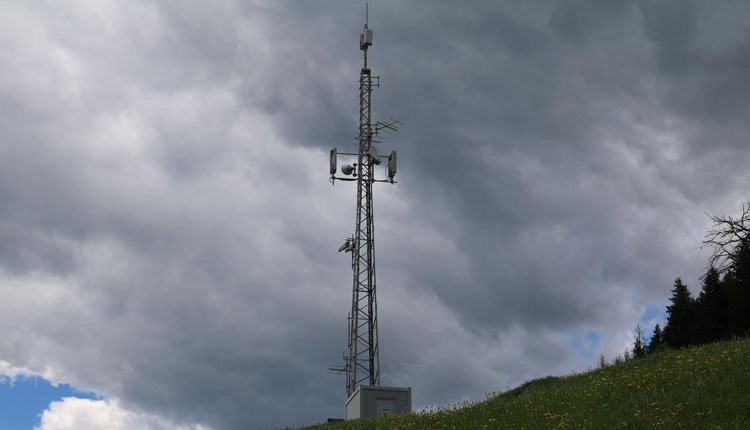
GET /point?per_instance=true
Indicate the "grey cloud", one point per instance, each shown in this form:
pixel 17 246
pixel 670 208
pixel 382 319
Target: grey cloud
pixel 169 235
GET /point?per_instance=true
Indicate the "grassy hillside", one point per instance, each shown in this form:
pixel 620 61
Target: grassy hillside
pixel 706 387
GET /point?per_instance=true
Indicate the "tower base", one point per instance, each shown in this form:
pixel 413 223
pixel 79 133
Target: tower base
pixel 370 401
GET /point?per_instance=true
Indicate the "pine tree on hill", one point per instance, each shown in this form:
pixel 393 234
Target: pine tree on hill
pixel 734 298
pixel 726 238
pixel 602 362
pixel 741 300
pixel 736 285
pixel 657 339
pixel 639 350
pixel 680 317
pixel 712 308
pixel 730 239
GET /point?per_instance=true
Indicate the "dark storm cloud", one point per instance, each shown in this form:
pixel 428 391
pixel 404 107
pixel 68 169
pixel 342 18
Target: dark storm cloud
pixel 521 119
pixel 168 234
pixel 560 159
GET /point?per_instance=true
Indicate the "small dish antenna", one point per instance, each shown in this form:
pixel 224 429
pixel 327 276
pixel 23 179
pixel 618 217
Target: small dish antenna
pixel 347 169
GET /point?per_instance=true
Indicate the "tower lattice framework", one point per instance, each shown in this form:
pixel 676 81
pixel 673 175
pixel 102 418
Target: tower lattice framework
pixel 363 361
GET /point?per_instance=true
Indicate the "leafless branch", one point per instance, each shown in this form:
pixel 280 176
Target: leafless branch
pixel 725 237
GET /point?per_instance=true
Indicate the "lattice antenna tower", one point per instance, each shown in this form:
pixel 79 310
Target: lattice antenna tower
pixel 361 360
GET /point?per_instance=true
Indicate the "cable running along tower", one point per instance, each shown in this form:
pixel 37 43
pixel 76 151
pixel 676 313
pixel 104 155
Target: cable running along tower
pixel 361 361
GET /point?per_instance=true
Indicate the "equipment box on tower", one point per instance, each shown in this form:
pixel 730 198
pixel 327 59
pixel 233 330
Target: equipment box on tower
pixel 369 401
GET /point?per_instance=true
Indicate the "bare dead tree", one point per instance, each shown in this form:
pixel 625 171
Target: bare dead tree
pixel 725 238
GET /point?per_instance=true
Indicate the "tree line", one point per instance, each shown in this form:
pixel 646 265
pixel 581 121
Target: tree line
pixel 722 308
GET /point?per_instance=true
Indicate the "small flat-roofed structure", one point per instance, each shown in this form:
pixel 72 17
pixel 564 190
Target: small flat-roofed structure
pixel 370 401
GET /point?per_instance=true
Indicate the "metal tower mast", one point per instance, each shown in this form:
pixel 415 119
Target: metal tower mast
pixel 361 363
pixel 363 322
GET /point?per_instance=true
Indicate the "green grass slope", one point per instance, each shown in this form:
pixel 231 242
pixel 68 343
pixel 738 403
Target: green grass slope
pixel 705 387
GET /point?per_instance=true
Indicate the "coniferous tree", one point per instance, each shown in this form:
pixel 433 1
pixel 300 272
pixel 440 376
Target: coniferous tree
pixel 726 238
pixel 730 286
pixel 680 318
pixel 736 287
pixel 730 239
pixel 712 308
pixel 639 349
pixel 657 339
pixel 740 303
pixel 602 362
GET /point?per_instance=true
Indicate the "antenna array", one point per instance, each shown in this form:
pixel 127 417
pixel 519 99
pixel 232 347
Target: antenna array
pixel 361 361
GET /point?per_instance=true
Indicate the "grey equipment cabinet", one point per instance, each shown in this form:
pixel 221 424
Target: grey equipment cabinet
pixel 371 401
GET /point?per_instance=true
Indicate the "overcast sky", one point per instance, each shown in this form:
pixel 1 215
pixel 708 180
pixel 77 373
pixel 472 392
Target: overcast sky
pixel 168 233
